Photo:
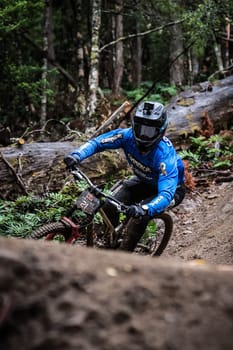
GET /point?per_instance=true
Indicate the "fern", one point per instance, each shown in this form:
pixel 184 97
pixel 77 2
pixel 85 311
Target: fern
pixel 23 226
pixel 215 150
pixel 193 158
pixel 27 213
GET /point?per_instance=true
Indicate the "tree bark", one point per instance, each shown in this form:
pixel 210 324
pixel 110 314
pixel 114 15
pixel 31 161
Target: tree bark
pixel 39 168
pixel 44 99
pixel 94 60
pixel 119 57
pixel 176 47
pixel 81 102
pixel 137 58
pixel 187 110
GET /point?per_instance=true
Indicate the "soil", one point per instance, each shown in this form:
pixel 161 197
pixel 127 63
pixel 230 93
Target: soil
pixel 203 226
pixel 55 296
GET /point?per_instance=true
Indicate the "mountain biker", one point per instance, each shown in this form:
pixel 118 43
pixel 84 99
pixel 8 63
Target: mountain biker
pixel 158 180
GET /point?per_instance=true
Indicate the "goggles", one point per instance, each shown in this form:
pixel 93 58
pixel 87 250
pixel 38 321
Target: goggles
pixel 146 132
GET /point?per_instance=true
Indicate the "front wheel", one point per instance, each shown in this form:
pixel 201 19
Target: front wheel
pixel 154 237
pixel 53 230
pixel 164 227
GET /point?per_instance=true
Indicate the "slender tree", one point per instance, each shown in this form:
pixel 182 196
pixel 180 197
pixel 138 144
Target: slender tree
pixel 43 115
pixel 137 57
pixel 177 69
pixel 80 105
pixel 118 61
pixel 94 60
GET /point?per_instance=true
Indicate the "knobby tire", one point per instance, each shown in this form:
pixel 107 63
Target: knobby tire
pixel 53 229
pixel 168 222
pixel 131 239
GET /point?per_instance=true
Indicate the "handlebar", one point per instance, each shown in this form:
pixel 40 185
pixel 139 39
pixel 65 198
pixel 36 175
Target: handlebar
pixel 80 175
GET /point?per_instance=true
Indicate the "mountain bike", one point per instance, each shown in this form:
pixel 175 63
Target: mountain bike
pixel 86 223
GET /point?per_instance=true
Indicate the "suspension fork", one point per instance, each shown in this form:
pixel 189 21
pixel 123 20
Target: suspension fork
pixel 74 228
pixel 110 227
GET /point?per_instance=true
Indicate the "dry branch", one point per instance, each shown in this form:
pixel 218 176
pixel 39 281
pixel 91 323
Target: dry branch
pixel 149 31
pixel 110 119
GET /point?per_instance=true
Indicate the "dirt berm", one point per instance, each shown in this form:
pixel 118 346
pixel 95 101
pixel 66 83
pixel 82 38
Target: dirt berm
pixel 67 297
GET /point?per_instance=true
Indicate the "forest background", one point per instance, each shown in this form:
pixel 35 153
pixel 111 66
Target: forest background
pixel 67 59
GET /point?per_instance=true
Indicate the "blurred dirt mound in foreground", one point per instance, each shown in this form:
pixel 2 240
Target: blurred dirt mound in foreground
pixel 67 297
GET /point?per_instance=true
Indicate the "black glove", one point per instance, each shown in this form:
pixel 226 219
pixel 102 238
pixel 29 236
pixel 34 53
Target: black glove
pixel 135 211
pixel 70 161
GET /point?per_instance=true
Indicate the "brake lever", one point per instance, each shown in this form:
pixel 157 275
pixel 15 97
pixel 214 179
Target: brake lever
pixel 119 206
pixel 77 175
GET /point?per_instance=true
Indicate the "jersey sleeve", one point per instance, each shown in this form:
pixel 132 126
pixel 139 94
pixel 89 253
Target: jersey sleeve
pixel 167 183
pixel 110 140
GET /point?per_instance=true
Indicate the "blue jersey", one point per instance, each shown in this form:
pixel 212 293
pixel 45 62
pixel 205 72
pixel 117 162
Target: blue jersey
pixel 161 168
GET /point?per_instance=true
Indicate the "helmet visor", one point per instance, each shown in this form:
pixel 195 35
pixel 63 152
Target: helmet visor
pixel 145 132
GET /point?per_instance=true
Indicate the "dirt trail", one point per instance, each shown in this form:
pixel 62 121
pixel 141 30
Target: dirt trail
pixel 204 226
pixel 56 297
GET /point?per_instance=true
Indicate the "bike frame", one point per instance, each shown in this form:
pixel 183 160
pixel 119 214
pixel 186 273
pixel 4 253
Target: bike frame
pixel 75 228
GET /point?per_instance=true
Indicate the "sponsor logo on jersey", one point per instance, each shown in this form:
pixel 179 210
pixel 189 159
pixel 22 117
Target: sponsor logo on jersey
pixel 112 138
pixel 139 165
pixel 157 200
pixel 142 175
pixel 163 168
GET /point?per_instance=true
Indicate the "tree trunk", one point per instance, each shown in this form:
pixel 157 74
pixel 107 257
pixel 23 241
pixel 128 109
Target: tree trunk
pixel 176 47
pixel 119 57
pixel 94 60
pixel 43 114
pixel 194 66
pixel 80 105
pixel 137 58
pixel 218 54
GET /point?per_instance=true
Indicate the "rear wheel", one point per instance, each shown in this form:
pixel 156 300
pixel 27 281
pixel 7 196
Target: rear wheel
pixel 153 240
pixel 51 231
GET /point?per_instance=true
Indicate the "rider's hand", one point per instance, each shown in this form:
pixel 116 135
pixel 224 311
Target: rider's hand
pixel 135 211
pixel 71 161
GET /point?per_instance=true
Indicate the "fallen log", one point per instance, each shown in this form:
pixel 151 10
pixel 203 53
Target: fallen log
pixel 189 110
pixel 38 167
pixel 54 296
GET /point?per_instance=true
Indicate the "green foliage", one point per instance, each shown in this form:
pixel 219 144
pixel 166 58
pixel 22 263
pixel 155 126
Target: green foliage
pixel 161 93
pixel 134 95
pixel 18 14
pixel 24 85
pixel 21 84
pixel 192 157
pixel 27 213
pixel 206 20
pixel 150 233
pixel 215 151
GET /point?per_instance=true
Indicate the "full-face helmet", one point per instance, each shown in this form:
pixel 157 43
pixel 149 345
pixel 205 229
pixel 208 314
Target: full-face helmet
pixel 149 124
